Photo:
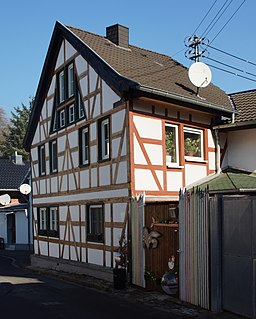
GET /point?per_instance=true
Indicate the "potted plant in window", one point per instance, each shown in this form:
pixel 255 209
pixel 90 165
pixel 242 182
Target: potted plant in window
pixel 170 146
pixel 192 146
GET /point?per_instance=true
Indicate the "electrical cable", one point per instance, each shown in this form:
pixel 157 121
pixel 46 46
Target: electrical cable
pixel 232 55
pixel 205 32
pixel 232 67
pixel 233 73
pixel 204 18
pixel 227 21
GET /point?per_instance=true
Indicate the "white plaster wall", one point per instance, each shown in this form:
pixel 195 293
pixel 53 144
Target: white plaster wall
pixel 118 121
pixel 155 153
pixel 52 86
pixel 174 181
pixel 69 50
pixel 93 79
pixel 60 59
pixel 44 111
pixel 138 156
pixel 93 131
pixel 144 180
pixel 81 64
pixel 94 175
pixel 107 213
pixel 71 181
pixel 108 258
pixel 115 147
pixel 119 212
pixel 109 97
pixel 43 248
pixel 122 173
pixel 84 178
pixel 242 149
pixel 73 139
pixel 117 236
pixel 211 158
pixel 108 236
pixel 54 250
pixel 95 256
pixel 21 228
pixel 211 140
pixel 194 173
pixel 148 127
pixel 104 172
pixel 54 184
pixel 95 100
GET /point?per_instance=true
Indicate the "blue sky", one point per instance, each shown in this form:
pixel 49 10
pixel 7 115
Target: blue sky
pixel 26 27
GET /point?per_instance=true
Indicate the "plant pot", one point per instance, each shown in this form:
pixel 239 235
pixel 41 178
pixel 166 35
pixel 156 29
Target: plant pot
pixel 119 278
pixel 168 159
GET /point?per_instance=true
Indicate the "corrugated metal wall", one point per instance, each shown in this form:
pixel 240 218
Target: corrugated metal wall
pixel 194 247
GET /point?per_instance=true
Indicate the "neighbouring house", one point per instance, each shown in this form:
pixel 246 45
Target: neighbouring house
pixel 15 217
pixel 222 207
pixel 115 132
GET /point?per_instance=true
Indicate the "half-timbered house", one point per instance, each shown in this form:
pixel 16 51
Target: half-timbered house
pixel 113 125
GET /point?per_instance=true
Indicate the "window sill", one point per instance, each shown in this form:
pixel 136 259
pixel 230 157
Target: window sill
pixel 173 165
pixel 195 159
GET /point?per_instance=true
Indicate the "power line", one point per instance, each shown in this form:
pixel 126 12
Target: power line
pixel 233 73
pixel 232 67
pixel 206 30
pixel 204 18
pixel 232 55
pixel 227 21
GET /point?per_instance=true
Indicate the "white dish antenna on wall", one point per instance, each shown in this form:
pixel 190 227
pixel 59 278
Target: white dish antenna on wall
pixel 25 189
pixel 200 74
pixel 5 199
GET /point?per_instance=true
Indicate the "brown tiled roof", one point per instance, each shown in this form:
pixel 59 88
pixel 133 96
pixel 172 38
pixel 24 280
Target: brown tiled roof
pixel 245 105
pixel 151 69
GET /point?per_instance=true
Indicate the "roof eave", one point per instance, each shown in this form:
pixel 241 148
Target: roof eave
pixel 186 101
pixel 235 126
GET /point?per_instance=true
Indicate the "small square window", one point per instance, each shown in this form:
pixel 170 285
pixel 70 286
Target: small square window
pixel 193 142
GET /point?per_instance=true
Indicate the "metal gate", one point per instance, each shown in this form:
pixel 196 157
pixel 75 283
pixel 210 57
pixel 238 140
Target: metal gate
pixel 238 255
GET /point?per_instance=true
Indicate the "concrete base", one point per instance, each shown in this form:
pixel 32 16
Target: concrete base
pixel 75 267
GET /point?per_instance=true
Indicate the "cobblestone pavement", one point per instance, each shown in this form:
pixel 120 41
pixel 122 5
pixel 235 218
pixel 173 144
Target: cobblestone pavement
pixel 155 299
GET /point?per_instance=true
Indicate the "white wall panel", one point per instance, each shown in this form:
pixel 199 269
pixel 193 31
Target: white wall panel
pixel 109 97
pixel 104 172
pixel 34 154
pixel 211 141
pixel 94 175
pixel 73 139
pixel 108 236
pixel 148 127
pixel 64 186
pixel 43 111
pixel 84 178
pixel 83 257
pixel 95 256
pixel 93 131
pixel 124 149
pixel 118 121
pixel 54 250
pixel 35 247
pixel 74 210
pixel 36 138
pixel 84 86
pixel 119 210
pixel 174 181
pixel 107 212
pixel 115 147
pixel 144 180
pixel 211 158
pixel 81 65
pixel 52 86
pixel 117 236
pixel 42 186
pixel 71 182
pixel 60 59
pixel 108 259
pixel 73 255
pixel 139 157
pixel 122 173
pixel 194 173
pixel 43 248
pixel 61 143
pixel 66 252
pixel 155 153
pixel 93 79
pixel 159 175
pixel 70 51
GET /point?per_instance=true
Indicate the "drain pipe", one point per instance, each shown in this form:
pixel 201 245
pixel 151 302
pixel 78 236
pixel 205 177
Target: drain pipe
pixel 217 154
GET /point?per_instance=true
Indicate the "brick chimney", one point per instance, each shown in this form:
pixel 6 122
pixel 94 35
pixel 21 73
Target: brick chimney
pixel 17 159
pixel 118 34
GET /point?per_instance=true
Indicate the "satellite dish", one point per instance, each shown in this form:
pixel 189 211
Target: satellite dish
pixel 200 74
pixel 25 189
pixel 5 199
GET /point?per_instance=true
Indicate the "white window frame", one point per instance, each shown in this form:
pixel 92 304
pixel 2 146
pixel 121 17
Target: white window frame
pixel 71 79
pixel 80 106
pixel 42 218
pixel 53 156
pixel 105 140
pixel 54 219
pixel 61 86
pixel 42 160
pixel 62 118
pixel 71 115
pixel 196 132
pixel 168 162
pixel 85 146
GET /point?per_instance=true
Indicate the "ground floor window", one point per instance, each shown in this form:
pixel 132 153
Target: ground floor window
pixel 48 221
pixel 95 223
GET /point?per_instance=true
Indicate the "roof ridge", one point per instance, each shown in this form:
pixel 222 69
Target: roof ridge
pixel 242 92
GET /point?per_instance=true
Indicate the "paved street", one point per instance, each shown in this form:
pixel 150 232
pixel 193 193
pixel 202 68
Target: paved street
pixel 26 294
pixel 30 294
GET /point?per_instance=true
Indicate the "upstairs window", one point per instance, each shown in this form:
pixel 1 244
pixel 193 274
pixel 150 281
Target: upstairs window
pixel 193 143
pixel 61 86
pixel 95 224
pixel 53 156
pixel 42 221
pixel 62 118
pixel 71 114
pixel 84 146
pixel 104 140
pixel 53 222
pixel 41 160
pixel 80 106
pixel 171 144
pixel 71 82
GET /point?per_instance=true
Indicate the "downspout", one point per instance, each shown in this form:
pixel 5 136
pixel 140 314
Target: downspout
pixel 217 154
